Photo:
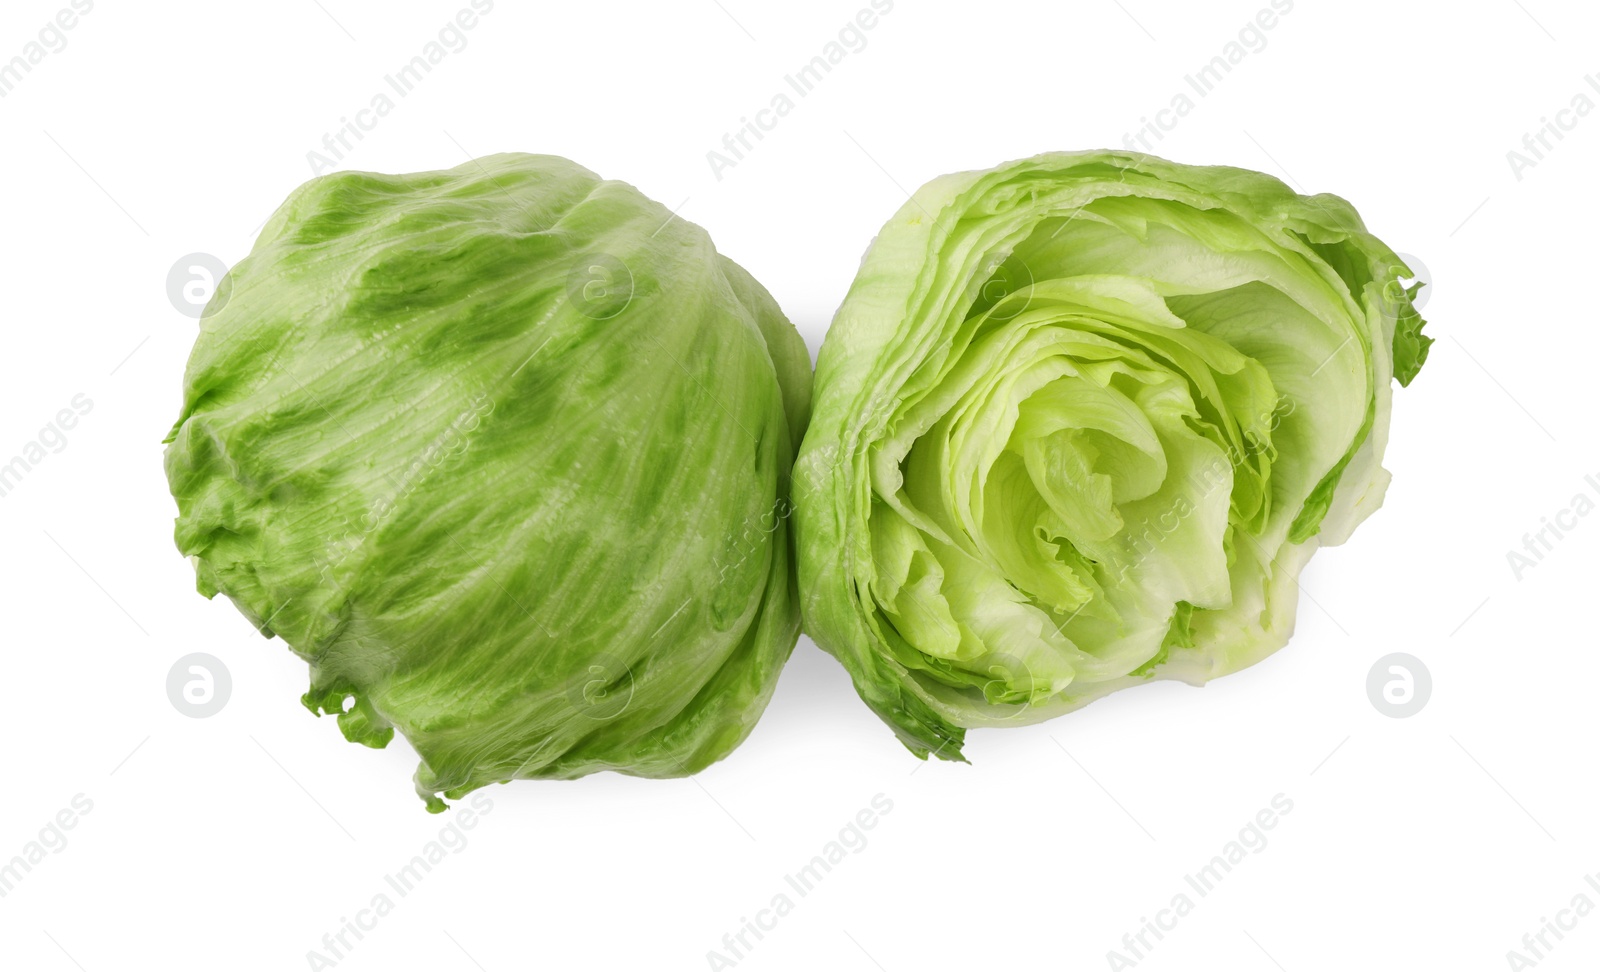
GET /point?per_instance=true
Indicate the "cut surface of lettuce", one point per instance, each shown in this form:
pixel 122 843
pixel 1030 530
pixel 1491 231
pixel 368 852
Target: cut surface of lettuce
pixel 1079 423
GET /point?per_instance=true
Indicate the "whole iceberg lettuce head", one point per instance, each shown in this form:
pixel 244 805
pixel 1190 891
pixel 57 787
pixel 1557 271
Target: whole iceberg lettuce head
pixel 1079 423
pixel 503 452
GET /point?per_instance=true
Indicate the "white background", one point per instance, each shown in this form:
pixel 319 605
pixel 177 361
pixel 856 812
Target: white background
pixel 238 841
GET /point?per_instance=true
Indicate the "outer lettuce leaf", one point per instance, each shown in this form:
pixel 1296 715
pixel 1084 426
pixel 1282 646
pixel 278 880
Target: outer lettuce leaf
pixel 503 453
pixel 1079 423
